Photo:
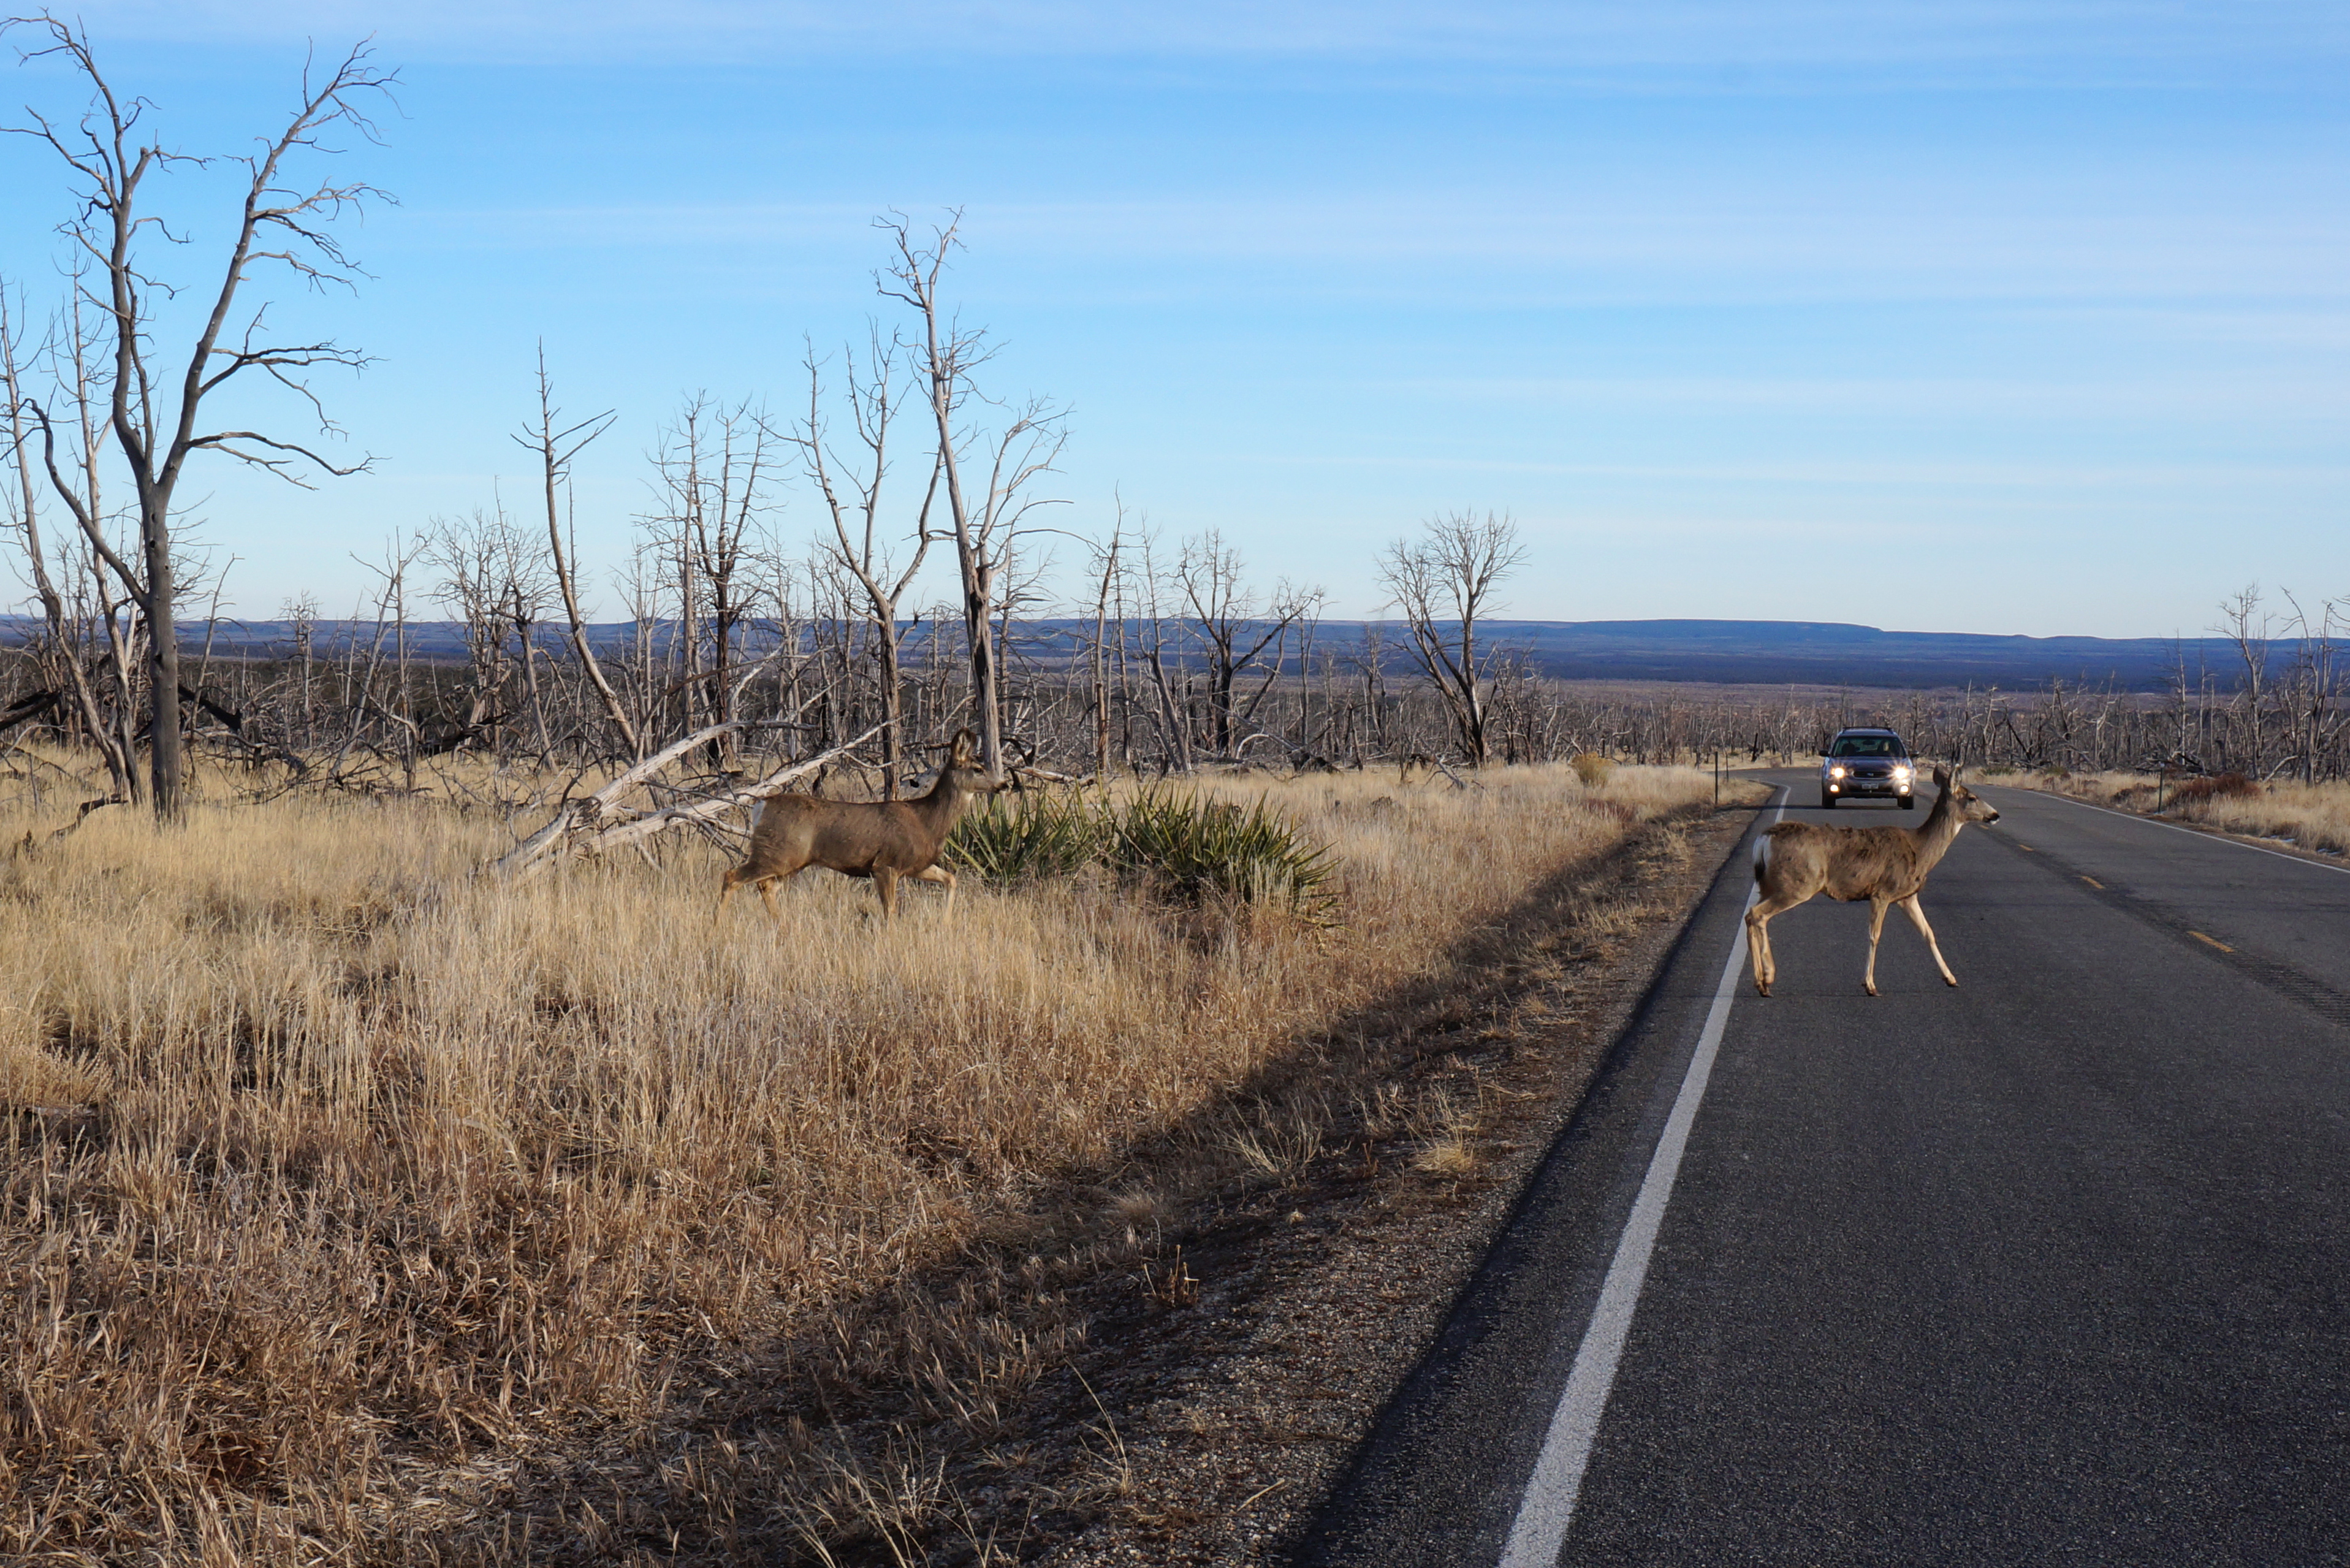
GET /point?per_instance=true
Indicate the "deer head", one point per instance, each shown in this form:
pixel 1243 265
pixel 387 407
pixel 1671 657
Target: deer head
pixel 963 773
pixel 1970 806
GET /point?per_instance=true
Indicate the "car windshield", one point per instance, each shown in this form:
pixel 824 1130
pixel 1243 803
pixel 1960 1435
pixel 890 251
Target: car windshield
pixel 1865 746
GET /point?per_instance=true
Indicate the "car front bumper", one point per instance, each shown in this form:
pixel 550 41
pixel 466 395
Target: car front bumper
pixel 1866 789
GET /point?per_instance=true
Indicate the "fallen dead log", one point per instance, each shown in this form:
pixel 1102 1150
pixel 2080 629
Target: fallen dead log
pixel 31 846
pixel 595 824
pixel 33 707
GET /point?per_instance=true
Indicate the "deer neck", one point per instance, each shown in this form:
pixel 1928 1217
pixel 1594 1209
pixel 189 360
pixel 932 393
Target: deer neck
pixel 1934 835
pixel 940 807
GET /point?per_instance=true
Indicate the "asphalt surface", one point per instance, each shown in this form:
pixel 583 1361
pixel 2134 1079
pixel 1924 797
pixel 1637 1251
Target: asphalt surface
pixel 2050 1268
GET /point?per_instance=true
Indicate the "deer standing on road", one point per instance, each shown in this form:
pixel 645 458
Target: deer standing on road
pixel 886 840
pixel 1886 866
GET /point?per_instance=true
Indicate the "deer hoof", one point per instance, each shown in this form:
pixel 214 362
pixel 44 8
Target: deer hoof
pixel 1762 988
pixel 1872 990
pixel 1950 981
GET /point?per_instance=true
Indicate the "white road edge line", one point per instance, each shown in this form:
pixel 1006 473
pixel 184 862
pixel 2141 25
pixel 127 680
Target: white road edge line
pixel 2205 837
pixel 1547 1507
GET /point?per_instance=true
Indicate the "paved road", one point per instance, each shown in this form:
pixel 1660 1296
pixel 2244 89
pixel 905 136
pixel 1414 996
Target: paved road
pixel 2052 1268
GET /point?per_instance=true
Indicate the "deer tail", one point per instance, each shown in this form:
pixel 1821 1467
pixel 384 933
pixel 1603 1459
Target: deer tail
pixel 1761 857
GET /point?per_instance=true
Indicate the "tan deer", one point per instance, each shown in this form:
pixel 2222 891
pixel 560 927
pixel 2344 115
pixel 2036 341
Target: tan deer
pixel 1886 866
pixel 887 840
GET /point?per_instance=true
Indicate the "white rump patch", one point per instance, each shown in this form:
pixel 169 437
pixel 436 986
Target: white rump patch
pixel 1761 855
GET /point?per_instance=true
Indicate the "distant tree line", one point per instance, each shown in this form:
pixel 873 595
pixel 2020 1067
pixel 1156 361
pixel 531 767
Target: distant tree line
pixel 2277 715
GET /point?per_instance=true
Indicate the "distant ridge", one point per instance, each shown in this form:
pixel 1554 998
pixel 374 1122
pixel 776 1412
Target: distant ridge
pixel 1725 653
pixel 1775 652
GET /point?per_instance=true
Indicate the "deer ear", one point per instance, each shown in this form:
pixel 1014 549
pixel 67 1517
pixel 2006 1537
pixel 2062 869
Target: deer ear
pixel 958 750
pixel 1942 777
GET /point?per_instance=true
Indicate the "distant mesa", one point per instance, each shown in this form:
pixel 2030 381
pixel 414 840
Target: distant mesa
pixel 1816 653
pixel 1725 653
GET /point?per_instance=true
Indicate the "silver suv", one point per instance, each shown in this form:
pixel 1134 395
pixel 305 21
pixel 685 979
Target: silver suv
pixel 1867 764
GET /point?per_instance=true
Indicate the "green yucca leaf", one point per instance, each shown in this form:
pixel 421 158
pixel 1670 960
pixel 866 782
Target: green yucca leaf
pixel 1195 847
pixel 1041 835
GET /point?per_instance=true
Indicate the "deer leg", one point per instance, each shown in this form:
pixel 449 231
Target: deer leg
pixel 725 891
pixel 1758 940
pixel 1877 907
pixel 885 884
pixel 939 875
pixel 767 897
pixel 1758 949
pixel 1917 917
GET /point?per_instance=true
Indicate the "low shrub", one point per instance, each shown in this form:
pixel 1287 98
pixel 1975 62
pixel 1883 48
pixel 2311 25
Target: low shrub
pixel 1042 835
pixel 1592 769
pixel 1194 848
pixel 2218 786
pixel 1191 847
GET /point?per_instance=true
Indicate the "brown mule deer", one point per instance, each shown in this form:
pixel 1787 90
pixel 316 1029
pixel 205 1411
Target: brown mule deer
pixel 1886 866
pixel 886 840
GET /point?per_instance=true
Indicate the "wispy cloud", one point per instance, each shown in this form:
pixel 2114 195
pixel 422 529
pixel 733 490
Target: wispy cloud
pixel 2292 325
pixel 1985 39
pixel 1799 238
pixel 1910 477
pixel 2238 395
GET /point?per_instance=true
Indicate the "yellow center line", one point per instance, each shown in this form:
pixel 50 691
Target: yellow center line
pixel 2027 849
pixel 2212 941
pixel 2092 882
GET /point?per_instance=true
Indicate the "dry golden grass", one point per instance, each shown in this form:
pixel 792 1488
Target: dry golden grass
pixel 335 1175
pixel 2311 816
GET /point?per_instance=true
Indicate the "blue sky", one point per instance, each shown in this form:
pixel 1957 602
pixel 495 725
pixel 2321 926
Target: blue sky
pixel 2027 317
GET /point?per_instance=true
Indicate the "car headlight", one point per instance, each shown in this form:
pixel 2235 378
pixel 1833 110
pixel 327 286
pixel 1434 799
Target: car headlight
pixel 1835 773
pixel 1901 771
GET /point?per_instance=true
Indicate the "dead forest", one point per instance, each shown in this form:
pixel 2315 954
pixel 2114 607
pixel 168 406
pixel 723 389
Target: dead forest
pixel 389 704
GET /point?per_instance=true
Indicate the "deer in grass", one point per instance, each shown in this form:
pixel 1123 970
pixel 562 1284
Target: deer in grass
pixel 890 841
pixel 1886 866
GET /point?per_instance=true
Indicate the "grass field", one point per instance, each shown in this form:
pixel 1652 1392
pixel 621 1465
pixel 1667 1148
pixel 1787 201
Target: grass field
pixel 339 1183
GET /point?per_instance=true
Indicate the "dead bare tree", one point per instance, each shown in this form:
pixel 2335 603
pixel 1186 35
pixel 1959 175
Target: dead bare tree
pixel 300 614
pixel 66 645
pixel 852 499
pixel 1163 658
pixel 1442 582
pixel 2307 698
pixel 1098 658
pixel 986 472
pixel 556 445
pixel 110 158
pixel 2245 622
pixel 496 586
pixel 1235 626
pixel 716 468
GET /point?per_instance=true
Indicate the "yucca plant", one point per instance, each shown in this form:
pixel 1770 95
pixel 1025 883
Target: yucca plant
pixel 1195 849
pixel 1043 834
